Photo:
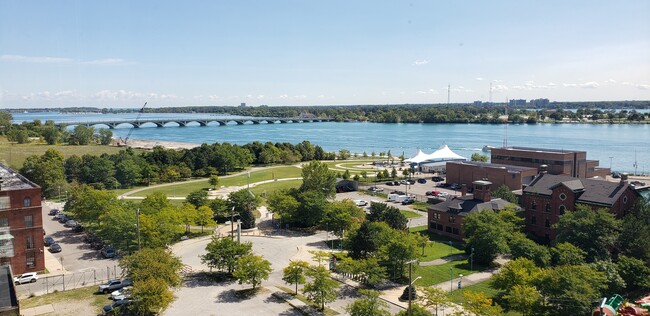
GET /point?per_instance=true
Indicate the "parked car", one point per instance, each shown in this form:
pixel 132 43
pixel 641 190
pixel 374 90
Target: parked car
pixel 375 189
pixel 422 180
pixel 113 285
pixel 108 252
pixel 78 228
pixel 70 223
pixel 410 181
pixel 54 248
pixel 408 200
pixel 437 179
pixel 108 309
pixel 443 194
pixel 122 293
pixel 29 277
pixel 63 219
pixel 455 186
pixel 404 182
pixel 59 215
pixel 97 244
pixel 48 240
pixel 616 174
pixel 361 202
pixel 53 212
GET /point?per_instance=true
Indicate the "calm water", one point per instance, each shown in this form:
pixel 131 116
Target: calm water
pixel 601 141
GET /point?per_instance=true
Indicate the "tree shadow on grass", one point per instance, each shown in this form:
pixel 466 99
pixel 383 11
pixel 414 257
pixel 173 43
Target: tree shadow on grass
pixel 206 279
pixel 237 296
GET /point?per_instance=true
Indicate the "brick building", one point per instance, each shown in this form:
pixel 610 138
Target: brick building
pixel 549 196
pixel 447 218
pixel 466 172
pixel 20 211
pixel 567 162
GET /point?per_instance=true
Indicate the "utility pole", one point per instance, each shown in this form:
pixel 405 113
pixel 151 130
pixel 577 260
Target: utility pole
pixel 232 220
pixel 410 263
pixel 137 226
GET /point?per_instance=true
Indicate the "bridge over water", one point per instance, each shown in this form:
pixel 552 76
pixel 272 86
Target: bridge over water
pixel 182 122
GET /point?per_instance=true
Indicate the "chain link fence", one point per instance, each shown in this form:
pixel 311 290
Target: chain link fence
pixel 69 281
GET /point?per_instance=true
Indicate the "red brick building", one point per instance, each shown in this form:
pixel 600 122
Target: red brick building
pixel 447 218
pixel 466 172
pixel 549 196
pixel 567 162
pixel 20 211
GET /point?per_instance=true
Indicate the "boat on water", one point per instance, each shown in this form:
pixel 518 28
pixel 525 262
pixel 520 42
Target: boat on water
pixel 487 148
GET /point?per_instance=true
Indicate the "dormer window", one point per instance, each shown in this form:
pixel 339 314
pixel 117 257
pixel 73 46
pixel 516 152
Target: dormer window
pixel 533 205
pixel 625 200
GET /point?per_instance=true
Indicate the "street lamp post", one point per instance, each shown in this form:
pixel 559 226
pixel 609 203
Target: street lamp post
pixel 471 261
pixel 460 287
pixel 451 248
pixel 410 263
pixel 232 220
pixel 451 279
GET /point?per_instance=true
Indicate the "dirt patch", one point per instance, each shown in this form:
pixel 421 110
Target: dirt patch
pixel 63 308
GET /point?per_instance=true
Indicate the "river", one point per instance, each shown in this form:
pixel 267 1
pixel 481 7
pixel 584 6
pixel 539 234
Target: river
pixel 617 144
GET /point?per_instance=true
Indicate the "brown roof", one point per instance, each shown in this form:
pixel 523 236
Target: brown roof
pixel 465 205
pixel 590 191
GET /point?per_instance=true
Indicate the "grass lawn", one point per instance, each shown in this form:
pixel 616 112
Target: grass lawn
pixel 409 214
pixel 437 274
pixel 15 154
pixel 481 287
pixel 437 250
pixel 82 294
pixel 183 189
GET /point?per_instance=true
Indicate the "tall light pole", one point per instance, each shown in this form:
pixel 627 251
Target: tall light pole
pixel 471 261
pixel 460 287
pixel 410 263
pixel 451 279
pixel 232 220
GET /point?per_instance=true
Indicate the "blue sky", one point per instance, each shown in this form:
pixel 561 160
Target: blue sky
pixel 175 53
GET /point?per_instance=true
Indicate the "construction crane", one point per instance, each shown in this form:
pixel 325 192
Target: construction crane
pixel 123 141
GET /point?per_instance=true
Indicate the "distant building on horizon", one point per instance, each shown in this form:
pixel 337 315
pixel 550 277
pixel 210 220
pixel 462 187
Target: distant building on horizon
pixel 517 102
pixel 539 102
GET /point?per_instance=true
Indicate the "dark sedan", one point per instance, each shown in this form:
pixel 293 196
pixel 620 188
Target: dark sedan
pixel 54 248
pixel 48 241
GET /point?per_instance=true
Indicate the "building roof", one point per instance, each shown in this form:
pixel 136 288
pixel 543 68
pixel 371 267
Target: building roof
pixel 546 150
pixel 12 180
pixel 464 205
pixel 509 168
pixel 590 191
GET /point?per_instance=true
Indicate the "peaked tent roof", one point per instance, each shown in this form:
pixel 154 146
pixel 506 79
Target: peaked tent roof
pixel 444 153
pixel 419 157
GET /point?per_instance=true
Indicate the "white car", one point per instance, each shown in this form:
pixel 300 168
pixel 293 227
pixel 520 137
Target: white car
pixel 361 202
pixel 121 294
pixel 29 277
pixel 443 194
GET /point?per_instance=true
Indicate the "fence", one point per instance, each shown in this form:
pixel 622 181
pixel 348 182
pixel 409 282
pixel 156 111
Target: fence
pixel 68 281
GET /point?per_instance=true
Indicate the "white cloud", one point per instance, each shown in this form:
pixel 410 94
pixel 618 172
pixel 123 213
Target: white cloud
pixel 479 79
pixel 499 88
pixel 421 92
pixel 641 86
pixel 322 96
pixel 589 85
pixel 260 97
pixel 420 62
pixel 284 96
pixel 34 59
pixel 107 61
pixel 551 84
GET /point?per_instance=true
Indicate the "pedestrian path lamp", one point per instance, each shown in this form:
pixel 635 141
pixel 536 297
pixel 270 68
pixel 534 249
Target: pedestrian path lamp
pixel 410 263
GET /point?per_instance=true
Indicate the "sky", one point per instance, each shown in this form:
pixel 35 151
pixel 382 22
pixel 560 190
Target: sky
pixel 120 54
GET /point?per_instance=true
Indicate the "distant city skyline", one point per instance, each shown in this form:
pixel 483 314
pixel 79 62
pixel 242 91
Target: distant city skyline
pixel 119 54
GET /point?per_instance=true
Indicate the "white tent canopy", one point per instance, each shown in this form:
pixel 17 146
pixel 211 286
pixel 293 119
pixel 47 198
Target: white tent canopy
pixel 419 157
pixel 443 153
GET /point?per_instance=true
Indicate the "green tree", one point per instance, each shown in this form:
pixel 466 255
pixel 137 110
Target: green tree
pixel 5 122
pixel 434 297
pixel 82 135
pixel 566 253
pixel 634 239
pixel 117 227
pixel 399 249
pixel 151 295
pixel 105 136
pixel 251 269
pixel 214 181
pixel 341 216
pixel 152 263
pixel 569 290
pixel 197 198
pixel 504 193
pixel 128 173
pixel 478 304
pixel 223 253
pixel 284 205
pixel 204 216
pixel 247 218
pixel 188 215
pixel 88 205
pixel 594 231
pixel 160 228
pixel 368 305
pixel 295 273
pixel 416 310
pixel 479 157
pixel 520 246
pixel 366 240
pixel 322 288
pixel 47 171
pixel 634 272
pixel 523 298
pixel 317 177
pixel 344 154
pixel 614 283
pixel 488 234
pixel 521 271
pixel 51 134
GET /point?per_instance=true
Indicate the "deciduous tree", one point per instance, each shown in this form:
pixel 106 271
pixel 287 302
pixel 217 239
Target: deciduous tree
pixel 295 273
pixel 368 305
pixel 594 231
pixel 222 253
pixel 252 269
pixel 322 288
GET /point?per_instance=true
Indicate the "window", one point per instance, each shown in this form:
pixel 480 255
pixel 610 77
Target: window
pixel 4 202
pixel 452 219
pixel 29 221
pixel 4 222
pixel 533 205
pixel 448 229
pixel 625 200
pixel 439 227
pixel 547 223
pixel 562 196
pixel 29 242
pixel 548 207
pixel 562 209
pixel 29 258
pixel 456 231
pixel 27 202
pixel 533 220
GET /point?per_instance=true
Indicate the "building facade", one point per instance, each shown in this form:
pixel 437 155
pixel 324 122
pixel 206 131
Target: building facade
pixel 549 196
pixel 448 218
pixel 20 211
pixel 466 172
pixel 566 162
